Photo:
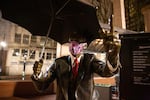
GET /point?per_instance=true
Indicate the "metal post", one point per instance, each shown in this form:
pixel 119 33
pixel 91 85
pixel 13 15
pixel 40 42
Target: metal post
pixel 24 67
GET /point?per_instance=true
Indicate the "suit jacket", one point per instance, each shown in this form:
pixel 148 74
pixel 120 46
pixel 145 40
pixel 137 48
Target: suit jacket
pixel 81 88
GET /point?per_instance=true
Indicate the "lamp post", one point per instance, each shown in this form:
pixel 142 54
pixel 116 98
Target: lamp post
pixel 24 67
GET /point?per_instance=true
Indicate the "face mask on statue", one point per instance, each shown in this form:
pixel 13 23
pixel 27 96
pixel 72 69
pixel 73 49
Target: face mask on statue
pixel 75 48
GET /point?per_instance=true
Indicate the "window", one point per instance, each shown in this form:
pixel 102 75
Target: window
pixel 24 52
pixel 49 56
pixel 54 55
pixel 17 38
pixel 51 43
pixel 42 56
pixel 25 39
pixel 43 39
pixel 33 39
pixel 16 52
pixel 134 18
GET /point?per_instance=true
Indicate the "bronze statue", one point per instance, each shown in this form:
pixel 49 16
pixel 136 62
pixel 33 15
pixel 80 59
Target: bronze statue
pixel 80 87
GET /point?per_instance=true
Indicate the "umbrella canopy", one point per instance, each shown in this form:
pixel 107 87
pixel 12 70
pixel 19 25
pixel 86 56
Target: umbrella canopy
pixel 56 19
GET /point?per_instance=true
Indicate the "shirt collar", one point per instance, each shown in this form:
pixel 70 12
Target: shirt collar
pixel 73 58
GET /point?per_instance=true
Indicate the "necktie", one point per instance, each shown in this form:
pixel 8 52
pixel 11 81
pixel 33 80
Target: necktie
pixel 75 68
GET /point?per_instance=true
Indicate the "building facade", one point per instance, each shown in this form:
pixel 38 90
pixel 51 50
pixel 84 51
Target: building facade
pixel 134 16
pixel 23 49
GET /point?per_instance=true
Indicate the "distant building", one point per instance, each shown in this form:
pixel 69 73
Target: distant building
pixel 23 49
pixel 133 14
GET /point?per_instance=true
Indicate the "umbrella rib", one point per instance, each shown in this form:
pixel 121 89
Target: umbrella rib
pixel 52 19
pixel 49 29
pixel 51 23
pixel 62 7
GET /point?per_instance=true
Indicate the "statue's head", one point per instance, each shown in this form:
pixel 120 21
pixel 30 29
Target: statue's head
pixel 76 44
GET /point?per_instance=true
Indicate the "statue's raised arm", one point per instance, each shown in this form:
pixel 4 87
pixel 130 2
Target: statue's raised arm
pixel 109 43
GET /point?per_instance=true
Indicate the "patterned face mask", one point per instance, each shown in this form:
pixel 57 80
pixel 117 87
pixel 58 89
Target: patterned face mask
pixel 75 48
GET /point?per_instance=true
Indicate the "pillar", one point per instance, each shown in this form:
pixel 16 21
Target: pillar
pixel 146 12
pixel 119 14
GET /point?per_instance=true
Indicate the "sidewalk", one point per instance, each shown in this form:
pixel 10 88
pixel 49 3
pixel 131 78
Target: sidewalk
pixel 13 88
pixel 43 97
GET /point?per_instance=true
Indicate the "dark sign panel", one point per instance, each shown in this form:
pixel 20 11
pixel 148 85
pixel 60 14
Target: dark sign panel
pixel 135 72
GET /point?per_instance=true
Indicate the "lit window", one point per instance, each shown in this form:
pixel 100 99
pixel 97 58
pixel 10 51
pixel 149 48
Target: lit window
pixel 16 52
pixel 24 52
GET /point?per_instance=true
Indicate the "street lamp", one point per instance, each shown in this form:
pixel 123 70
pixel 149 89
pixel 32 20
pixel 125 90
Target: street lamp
pixel 3 44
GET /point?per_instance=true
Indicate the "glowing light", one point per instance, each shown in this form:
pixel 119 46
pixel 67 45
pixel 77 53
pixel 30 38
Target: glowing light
pixel 3 44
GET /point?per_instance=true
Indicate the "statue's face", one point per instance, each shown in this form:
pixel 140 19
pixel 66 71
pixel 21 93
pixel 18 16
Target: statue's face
pixel 75 48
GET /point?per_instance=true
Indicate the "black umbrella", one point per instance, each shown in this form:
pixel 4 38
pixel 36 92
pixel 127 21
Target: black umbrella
pixel 56 19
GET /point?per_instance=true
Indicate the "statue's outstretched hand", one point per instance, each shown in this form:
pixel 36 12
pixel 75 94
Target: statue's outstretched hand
pixel 112 54
pixel 112 47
